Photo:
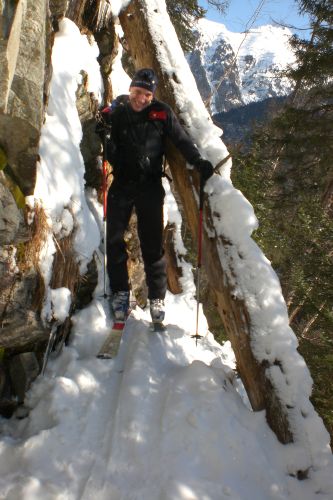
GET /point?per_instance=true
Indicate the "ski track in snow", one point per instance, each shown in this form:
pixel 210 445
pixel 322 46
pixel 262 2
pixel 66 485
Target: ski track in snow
pixel 161 421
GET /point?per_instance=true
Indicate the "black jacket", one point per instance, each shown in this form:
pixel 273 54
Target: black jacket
pixel 137 144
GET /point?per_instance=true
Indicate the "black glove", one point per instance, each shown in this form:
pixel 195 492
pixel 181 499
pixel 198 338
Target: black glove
pixel 103 124
pixel 205 168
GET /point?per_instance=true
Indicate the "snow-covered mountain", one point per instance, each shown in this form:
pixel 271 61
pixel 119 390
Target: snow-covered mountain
pixel 242 67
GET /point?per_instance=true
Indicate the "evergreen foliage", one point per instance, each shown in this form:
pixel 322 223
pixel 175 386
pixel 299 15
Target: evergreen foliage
pixel 184 15
pixel 287 176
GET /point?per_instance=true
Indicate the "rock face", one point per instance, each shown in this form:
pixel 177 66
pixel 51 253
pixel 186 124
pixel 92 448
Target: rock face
pixel 235 69
pixel 23 63
pixel 10 215
pixel 25 47
pixel 58 8
pixel 26 40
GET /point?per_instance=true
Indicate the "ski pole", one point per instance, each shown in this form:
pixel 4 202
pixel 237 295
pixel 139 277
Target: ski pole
pixel 49 347
pixel 104 186
pixel 200 226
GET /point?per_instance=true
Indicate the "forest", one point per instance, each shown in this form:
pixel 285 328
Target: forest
pixel 287 174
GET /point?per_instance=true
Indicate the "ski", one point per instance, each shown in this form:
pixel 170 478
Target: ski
pixel 111 344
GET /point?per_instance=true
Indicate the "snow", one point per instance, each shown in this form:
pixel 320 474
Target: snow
pixel 61 302
pixel 167 419
pixel 162 420
pixel 60 176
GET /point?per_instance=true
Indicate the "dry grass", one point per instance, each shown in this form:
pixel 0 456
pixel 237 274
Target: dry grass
pixel 65 271
pixel 28 253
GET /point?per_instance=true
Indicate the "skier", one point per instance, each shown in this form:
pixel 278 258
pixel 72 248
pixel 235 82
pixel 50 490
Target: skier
pixel 139 125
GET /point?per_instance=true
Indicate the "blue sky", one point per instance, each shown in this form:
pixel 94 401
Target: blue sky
pixel 240 12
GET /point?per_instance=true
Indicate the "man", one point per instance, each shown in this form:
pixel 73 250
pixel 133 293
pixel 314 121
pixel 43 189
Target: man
pixel 139 125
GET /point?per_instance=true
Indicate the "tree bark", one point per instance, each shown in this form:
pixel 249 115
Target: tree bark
pixel 174 271
pixel 143 45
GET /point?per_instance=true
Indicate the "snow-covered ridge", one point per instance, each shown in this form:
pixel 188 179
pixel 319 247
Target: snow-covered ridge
pixel 258 41
pixel 246 64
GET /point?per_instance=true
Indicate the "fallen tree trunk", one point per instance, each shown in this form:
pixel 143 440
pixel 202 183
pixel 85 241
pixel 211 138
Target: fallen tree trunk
pixel 249 298
pixel 144 51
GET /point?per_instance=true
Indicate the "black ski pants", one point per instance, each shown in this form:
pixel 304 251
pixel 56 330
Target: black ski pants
pixel 148 201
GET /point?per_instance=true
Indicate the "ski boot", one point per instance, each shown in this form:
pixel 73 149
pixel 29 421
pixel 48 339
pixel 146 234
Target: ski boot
pixel 157 312
pixel 120 305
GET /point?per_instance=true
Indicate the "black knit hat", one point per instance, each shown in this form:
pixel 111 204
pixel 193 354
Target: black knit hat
pixel 146 79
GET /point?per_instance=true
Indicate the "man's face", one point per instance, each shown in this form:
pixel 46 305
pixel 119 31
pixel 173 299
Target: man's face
pixel 139 98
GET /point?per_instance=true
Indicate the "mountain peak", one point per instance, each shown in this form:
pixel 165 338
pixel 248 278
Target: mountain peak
pixel 243 66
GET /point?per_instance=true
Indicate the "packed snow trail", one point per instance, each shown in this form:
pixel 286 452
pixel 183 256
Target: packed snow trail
pixel 164 420
pixel 163 402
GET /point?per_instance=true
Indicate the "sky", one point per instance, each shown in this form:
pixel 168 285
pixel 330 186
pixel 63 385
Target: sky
pixel 240 12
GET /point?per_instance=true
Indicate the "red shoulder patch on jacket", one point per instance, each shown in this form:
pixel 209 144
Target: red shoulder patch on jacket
pixel 106 110
pixel 157 115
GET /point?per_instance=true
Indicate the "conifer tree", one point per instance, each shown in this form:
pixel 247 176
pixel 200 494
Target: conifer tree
pixel 310 109
pixel 184 14
pixel 288 177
